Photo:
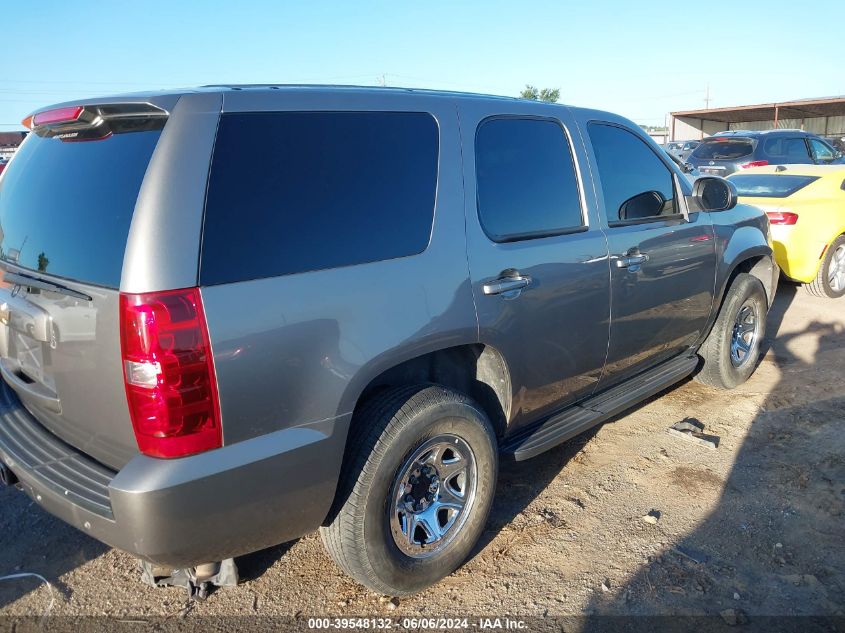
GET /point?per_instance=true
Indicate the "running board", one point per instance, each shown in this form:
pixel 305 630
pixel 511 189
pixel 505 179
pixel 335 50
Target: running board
pixel 597 409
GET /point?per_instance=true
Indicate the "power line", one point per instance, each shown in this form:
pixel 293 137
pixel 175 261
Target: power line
pixel 82 83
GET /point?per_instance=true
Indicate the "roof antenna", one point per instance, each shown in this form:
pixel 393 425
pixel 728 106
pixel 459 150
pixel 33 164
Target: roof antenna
pixel 780 168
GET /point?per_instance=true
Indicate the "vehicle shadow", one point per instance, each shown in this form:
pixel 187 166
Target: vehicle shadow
pixel 516 490
pixel 253 566
pixel 771 554
pixel 786 294
pixel 33 541
pixel 520 483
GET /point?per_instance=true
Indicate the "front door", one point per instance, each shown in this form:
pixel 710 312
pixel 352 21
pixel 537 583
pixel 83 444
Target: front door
pixel 537 257
pixel 663 261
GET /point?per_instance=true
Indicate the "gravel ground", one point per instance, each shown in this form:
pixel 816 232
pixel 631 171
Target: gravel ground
pixel 626 520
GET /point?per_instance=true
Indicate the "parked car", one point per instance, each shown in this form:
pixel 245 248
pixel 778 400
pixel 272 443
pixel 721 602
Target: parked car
pixel 3 163
pixel 806 208
pixel 283 335
pixel 681 149
pixel 687 148
pixel 727 152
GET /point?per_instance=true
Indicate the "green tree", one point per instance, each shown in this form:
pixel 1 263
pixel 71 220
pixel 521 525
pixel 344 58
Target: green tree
pixel 549 95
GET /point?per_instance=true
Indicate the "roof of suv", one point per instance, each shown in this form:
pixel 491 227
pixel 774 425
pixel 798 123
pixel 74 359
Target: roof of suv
pixel 349 88
pixel 167 98
pixel 324 88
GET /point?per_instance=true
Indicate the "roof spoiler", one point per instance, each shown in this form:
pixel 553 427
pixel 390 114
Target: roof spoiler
pixel 95 122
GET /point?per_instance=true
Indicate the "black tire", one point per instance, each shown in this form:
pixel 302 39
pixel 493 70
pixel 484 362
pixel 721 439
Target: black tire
pixel 387 432
pixel 721 369
pixel 820 286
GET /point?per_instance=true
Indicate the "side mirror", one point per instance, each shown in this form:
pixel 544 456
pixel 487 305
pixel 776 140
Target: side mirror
pixel 688 168
pixel 711 193
pixel 642 205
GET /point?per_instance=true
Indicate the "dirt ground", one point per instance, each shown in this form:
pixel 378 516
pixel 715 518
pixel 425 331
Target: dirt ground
pixel 756 525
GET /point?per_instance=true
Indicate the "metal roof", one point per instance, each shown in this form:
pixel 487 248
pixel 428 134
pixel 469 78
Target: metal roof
pixel 799 109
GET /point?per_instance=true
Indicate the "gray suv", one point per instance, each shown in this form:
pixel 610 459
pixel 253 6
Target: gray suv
pixel 234 315
pixel 728 152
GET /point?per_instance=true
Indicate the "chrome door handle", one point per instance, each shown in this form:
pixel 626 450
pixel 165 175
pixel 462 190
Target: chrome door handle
pixel 504 285
pixel 630 261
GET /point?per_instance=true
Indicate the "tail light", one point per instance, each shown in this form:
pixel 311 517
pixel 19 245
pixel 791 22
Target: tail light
pixel 754 163
pixel 59 115
pixel 169 373
pixel 782 217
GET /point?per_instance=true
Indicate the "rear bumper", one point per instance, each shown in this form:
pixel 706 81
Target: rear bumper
pixel 188 511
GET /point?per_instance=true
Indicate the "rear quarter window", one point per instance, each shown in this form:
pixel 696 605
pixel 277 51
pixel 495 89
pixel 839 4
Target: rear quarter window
pixel 291 192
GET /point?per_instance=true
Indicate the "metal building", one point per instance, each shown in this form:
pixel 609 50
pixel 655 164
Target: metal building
pixel 824 116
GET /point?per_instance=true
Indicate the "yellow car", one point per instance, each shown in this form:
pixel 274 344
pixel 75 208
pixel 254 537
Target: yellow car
pixel 806 208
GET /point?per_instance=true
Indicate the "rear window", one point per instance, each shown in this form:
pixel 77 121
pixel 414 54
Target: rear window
pixel 770 185
pixel 65 207
pixel 291 192
pixel 724 149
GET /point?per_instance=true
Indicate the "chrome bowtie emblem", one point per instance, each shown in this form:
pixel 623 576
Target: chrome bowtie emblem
pixel 712 162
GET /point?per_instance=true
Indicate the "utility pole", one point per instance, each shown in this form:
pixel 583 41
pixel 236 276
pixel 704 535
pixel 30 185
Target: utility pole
pixel 707 97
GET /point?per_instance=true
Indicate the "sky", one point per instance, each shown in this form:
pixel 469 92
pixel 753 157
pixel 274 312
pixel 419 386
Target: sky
pixel 639 59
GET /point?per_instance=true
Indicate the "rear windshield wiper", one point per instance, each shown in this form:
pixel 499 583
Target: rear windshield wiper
pixel 20 279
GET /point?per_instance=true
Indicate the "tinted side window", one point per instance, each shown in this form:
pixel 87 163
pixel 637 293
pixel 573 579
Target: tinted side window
pixel 786 147
pixel 526 179
pixel 821 151
pixel 635 182
pixel 291 192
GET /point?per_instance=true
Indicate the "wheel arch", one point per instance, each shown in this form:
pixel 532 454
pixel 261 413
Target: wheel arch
pixel 754 258
pixel 758 261
pixel 478 370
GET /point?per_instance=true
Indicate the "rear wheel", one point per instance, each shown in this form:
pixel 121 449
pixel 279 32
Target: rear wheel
pixel 732 349
pixel 830 280
pixel 416 489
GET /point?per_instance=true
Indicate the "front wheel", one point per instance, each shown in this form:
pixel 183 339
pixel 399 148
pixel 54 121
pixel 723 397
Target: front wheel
pixel 830 280
pixel 416 489
pixel 732 349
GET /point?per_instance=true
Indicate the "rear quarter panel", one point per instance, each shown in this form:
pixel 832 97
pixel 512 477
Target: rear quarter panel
pixel 299 349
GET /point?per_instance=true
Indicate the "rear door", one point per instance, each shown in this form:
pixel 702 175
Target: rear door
pixel 786 150
pixel 663 263
pixel 537 257
pixel 66 204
